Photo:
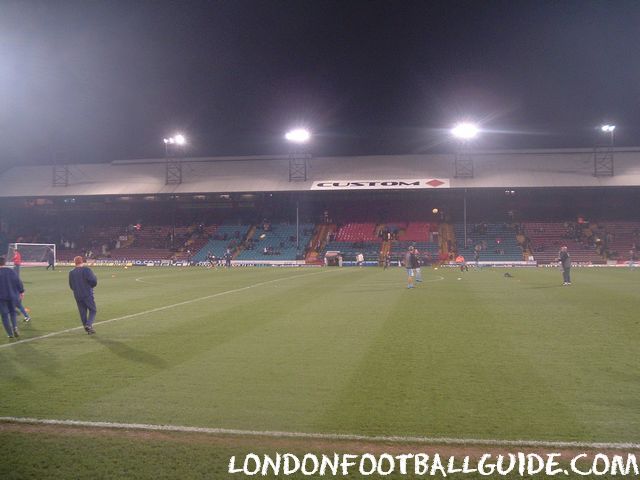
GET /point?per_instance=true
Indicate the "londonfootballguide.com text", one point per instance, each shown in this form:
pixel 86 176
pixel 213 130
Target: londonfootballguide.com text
pixel 421 464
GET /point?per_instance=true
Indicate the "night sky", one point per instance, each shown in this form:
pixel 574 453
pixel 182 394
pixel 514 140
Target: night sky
pixel 91 81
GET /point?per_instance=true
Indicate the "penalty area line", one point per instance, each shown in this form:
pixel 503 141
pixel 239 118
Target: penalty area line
pixel 324 436
pixel 158 309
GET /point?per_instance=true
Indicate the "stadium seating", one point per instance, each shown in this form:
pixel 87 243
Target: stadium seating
pixel 546 238
pixel 354 238
pixel 280 243
pixel 624 236
pixel 223 237
pixel 357 232
pixel 498 242
pixel 417 231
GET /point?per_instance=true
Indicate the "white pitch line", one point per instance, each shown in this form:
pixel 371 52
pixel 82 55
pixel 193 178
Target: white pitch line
pixel 140 279
pixel 158 309
pixel 326 436
pixel 386 283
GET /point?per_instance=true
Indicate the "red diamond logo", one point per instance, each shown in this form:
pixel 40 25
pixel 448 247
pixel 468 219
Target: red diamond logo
pixel 435 183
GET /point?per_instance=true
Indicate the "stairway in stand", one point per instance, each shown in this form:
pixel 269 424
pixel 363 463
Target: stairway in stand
pixel 243 245
pixel 318 242
pixel 447 237
pixel 385 250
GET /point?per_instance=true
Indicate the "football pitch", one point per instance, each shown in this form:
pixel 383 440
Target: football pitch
pixel 348 351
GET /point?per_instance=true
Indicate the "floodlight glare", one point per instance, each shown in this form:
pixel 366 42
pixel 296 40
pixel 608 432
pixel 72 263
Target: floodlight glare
pixel 608 128
pixel 180 139
pixel 465 131
pixel 298 135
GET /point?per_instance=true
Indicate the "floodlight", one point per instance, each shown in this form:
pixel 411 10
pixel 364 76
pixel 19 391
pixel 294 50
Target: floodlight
pixel 608 128
pixel 180 139
pixel 465 131
pixel 298 135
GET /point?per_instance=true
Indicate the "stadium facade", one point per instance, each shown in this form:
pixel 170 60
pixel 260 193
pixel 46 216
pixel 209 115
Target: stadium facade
pixel 187 207
pixel 491 169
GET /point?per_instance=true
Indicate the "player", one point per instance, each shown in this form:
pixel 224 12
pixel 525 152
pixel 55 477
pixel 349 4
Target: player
pixel 17 261
pixel 476 256
pixel 20 308
pixel 11 292
pixel 227 259
pixel 386 261
pixel 82 281
pixel 418 265
pixel 51 259
pixel 360 259
pixel 211 258
pixel 463 265
pixel 565 261
pixel 410 263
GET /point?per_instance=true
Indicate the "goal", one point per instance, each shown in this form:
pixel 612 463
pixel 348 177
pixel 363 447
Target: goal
pixel 33 254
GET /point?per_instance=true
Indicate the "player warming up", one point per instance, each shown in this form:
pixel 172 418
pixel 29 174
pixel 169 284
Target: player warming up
pixel 82 281
pixel 11 291
pixel 410 263
pixel 462 263
pixel 51 259
pixel 418 265
pixel 565 261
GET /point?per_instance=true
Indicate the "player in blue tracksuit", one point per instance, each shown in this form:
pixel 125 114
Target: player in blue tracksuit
pixel 82 281
pixel 11 291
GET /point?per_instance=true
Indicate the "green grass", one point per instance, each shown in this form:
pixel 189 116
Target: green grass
pixel 339 351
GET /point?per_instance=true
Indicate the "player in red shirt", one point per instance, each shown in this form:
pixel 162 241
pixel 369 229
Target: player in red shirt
pixel 17 261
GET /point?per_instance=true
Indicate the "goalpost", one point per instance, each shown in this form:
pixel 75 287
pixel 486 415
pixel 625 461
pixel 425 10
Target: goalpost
pixel 33 254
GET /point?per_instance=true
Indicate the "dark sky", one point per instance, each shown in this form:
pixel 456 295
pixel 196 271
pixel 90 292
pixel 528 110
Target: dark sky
pixel 101 80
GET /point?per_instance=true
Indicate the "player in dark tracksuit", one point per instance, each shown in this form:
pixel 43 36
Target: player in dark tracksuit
pixel 51 259
pixel 565 261
pixel 82 281
pixel 11 290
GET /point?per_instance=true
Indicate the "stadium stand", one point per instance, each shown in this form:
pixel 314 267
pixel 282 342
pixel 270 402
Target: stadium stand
pixel 353 238
pixel 497 242
pixel 620 237
pixel 278 242
pixel 223 237
pixel 357 232
pixel 422 235
pixel 546 238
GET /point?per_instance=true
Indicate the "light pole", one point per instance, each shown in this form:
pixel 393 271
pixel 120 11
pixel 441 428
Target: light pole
pixel 178 140
pixel 464 132
pixel 172 145
pixel 298 166
pixel 603 154
pixel 173 171
pixel 610 129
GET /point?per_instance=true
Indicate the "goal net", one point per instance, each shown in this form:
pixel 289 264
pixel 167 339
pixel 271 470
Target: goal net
pixel 33 254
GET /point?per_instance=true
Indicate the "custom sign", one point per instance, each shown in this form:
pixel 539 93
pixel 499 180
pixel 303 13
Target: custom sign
pixel 380 184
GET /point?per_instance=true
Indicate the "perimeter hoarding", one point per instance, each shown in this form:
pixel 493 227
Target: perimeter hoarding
pixel 386 184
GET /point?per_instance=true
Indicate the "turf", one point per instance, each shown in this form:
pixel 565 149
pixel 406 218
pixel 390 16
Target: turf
pixel 339 351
